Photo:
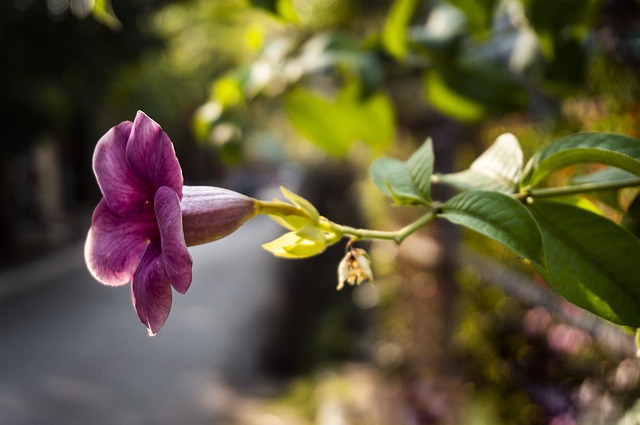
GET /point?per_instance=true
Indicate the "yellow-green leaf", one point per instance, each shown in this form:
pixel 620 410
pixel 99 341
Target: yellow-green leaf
pixel 301 203
pixel 394 33
pixel 334 125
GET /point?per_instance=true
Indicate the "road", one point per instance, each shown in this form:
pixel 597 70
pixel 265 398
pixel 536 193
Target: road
pixel 73 351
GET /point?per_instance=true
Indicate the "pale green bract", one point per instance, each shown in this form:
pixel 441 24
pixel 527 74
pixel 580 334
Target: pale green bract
pixel 499 168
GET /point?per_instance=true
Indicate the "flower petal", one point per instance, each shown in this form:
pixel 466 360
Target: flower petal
pixel 115 244
pixel 150 153
pixel 177 261
pixel 122 188
pixel 151 291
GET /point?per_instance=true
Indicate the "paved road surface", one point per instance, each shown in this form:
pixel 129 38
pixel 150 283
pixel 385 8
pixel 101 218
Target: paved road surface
pixel 73 351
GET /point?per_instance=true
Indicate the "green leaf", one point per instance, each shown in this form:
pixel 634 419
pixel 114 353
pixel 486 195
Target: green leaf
pixel 472 89
pixel 335 124
pixel 268 5
pixel 580 202
pixel 608 174
pixel 394 33
pixel 605 175
pixel 301 203
pixel 591 261
pixel 292 222
pixel 305 248
pixel 450 102
pixel 314 117
pixel 103 12
pixel 407 183
pixel 392 178
pixel 631 218
pixel 312 233
pixel 287 11
pixel 282 9
pixel 478 13
pixel 498 168
pixel 606 148
pixel 499 217
pixel 291 245
pixel 420 168
pixel 369 118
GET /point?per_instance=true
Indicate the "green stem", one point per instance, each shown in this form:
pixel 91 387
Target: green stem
pixel 281 209
pixel 397 236
pixel 577 189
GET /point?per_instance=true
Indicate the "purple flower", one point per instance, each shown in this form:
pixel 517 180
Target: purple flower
pixel 146 219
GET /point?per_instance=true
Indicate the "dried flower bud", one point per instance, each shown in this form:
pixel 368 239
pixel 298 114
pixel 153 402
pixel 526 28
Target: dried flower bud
pixel 354 268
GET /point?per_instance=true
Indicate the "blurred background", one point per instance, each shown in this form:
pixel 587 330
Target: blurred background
pixel 260 93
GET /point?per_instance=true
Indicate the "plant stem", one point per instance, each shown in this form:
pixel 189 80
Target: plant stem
pixel 281 209
pixel 578 188
pixel 400 235
pixel 397 236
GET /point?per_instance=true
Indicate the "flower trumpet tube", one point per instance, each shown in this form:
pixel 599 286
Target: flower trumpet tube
pixel 146 218
pixel 211 213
